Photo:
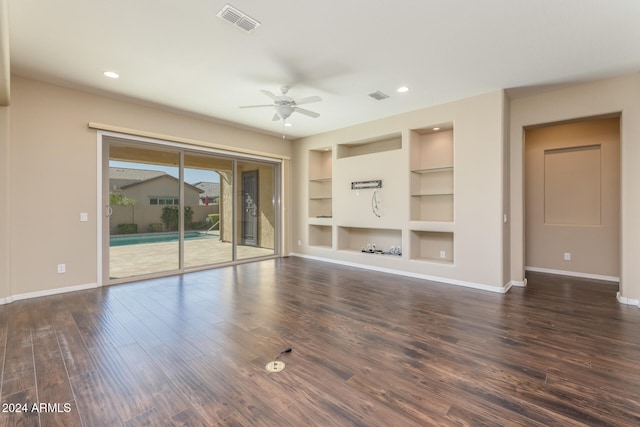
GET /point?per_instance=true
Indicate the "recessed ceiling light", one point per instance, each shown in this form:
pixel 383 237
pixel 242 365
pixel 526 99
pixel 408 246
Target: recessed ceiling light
pixel 436 128
pixel 288 125
pixel 403 89
pixel 111 74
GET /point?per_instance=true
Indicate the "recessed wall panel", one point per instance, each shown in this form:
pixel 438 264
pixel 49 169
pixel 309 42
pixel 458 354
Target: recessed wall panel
pixel 572 186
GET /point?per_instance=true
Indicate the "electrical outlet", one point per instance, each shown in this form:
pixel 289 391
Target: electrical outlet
pixel 62 268
pixel 84 217
pixel 299 242
pixel 567 256
pixel 443 254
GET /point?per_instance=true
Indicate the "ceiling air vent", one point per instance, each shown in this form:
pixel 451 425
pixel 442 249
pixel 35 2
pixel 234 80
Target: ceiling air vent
pixel 378 96
pixel 237 18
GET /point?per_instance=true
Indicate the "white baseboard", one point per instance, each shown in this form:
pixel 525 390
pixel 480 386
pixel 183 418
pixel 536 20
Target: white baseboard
pixel 627 301
pixel 574 274
pixel 519 283
pixel 448 281
pixel 48 292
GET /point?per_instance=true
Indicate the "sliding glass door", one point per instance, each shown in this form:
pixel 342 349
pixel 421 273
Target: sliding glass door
pixel 256 219
pixel 143 215
pixel 208 179
pixel 172 209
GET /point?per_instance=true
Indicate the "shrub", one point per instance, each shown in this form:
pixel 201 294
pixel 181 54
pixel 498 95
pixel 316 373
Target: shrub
pixel 120 199
pixel 155 227
pixel 127 228
pixel 170 216
pixel 199 225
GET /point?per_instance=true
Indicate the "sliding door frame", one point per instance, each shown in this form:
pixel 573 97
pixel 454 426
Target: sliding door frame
pixel 105 137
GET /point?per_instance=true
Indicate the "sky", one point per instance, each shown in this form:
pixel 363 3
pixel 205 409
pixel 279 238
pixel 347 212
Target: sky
pixel 191 176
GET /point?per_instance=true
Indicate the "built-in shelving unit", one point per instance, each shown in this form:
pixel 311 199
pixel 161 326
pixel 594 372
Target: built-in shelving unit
pixel 320 198
pixel 432 175
pixel 409 217
pixel 432 194
pixel 320 183
pixel 359 238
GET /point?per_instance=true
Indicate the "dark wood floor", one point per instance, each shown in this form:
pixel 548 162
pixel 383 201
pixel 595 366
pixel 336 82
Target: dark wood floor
pixel 368 349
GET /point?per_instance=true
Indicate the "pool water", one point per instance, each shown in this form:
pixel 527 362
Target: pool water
pixel 136 239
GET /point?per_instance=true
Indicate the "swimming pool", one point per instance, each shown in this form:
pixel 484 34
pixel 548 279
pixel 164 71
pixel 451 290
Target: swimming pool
pixel 136 239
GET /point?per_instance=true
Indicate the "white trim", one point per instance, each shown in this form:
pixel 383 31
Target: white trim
pixel 99 211
pixel 573 274
pixel 176 141
pixel 519 283
pixel 48 292
pixel 627 301
pixel 439 279
pixel 186 145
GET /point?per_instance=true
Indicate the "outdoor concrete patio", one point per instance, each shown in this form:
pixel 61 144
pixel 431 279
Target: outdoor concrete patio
pixel 145 258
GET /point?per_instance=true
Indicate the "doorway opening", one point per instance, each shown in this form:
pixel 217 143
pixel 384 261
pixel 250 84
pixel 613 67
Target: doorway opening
pixel 572 198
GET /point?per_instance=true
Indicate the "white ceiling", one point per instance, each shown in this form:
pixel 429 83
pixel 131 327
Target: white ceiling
pixel 179 54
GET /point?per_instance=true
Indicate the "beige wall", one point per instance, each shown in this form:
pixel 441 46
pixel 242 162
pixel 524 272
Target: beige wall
pixel 53 170
pixel 581 163
pixel 478 180
pixel 5 226
pixel 582 101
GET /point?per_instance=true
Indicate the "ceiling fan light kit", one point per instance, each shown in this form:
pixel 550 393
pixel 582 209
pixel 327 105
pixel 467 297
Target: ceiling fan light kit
pixel 284 105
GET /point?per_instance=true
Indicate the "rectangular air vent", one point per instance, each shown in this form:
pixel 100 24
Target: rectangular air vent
pixel 378 96
pixel 237 18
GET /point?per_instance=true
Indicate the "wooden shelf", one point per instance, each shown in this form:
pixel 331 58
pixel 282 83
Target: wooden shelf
pixel 431 194
pixel 361 148
pixel 433 170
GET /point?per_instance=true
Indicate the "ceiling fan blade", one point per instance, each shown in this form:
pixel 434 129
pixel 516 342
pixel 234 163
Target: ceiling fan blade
pixel 308 100
pixel 307 112
pixel 256 106
pixel 276 117
pixel 269 94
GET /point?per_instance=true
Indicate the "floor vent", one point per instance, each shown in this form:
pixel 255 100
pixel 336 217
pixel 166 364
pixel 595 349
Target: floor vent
pixel 378 96
pixel 237 18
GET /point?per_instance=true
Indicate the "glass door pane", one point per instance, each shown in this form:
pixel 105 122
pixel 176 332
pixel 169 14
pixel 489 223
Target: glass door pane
pixel 144 214
pixel 208 208
pixel 256 214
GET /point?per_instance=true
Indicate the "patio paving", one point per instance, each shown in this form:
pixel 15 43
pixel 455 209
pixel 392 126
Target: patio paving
pixel 145 258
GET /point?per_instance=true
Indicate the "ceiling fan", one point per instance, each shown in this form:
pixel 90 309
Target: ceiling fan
pixel 284 105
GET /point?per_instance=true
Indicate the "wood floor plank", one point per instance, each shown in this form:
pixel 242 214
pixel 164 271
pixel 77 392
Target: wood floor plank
pixel 77 358
pixel 19 409
pixel 95 401
pixel 51 372
pixel 18 373
pixel 61 415
pixel 206 397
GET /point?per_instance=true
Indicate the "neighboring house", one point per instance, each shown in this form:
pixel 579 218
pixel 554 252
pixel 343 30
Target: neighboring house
pixel 152 191
pixel 210 192
pixel 149 187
